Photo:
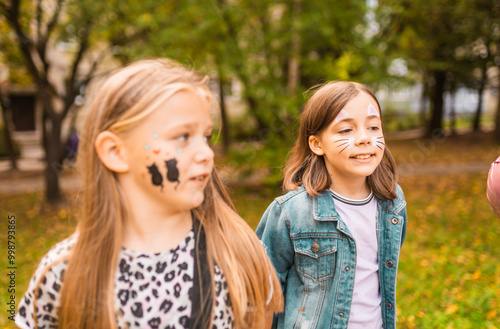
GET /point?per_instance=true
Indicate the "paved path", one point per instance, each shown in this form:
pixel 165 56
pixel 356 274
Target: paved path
pixel 30 176
pixel 26 181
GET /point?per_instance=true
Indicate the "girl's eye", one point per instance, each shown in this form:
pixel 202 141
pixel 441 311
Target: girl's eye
pixel 374 128
pixel 208 138
pixel 345 131
pixel 182 138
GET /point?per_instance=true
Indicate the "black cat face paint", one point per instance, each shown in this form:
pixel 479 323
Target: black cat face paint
pixel 172 171
pixel 156 177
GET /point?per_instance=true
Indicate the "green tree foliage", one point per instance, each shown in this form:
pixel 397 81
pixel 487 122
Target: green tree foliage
pixel 276 49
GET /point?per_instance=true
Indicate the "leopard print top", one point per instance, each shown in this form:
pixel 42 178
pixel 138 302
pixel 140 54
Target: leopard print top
pixel 152 290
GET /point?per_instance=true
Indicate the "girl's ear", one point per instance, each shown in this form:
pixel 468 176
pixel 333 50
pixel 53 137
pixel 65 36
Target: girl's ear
pixel 110 150
pixel 315 146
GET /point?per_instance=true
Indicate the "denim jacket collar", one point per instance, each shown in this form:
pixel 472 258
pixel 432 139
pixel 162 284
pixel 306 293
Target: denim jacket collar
pixel 324 207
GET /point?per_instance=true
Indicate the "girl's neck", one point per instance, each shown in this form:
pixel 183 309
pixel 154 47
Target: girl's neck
pixel 151 231
pixel 352 189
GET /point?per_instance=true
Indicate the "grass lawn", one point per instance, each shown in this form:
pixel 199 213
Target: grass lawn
pixel 449 274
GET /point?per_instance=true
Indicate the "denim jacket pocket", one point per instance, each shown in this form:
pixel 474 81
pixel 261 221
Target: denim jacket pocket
pixel 315 256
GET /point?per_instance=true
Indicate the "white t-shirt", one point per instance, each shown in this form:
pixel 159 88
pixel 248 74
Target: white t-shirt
pixel 360 216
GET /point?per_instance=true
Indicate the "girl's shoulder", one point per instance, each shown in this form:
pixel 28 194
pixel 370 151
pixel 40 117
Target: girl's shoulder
pixel 394 205
pixel 400 196
pixel 399 192
pixel 55 260
pixel 60 250
pixel 292 195
pixel 292 206
pixel 47 283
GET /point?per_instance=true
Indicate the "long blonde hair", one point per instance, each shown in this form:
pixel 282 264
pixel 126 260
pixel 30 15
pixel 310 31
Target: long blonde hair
pixel 87 296
pixel 305 167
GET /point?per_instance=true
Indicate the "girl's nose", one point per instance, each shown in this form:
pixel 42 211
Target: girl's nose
pixel 364 140
pixel 204 153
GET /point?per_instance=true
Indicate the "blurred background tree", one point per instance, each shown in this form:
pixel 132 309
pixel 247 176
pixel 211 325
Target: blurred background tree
pixel 448 42
pixel 35 27
pixel 18 75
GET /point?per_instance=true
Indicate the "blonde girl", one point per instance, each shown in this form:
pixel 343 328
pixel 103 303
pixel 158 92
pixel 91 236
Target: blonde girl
pixel 159 243
pixel 335 237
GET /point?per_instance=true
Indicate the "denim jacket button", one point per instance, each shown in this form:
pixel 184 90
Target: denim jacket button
pixel 341 314
pixel 395 221
pixel 390 264
pixel 389 306
pixel 315 246
pixel 347 268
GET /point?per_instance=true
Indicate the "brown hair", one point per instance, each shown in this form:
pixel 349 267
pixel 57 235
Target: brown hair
pixel 305 167
pixel 87 296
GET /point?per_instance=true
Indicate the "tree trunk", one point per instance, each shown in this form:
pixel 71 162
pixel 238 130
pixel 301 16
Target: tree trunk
pixel 435 127
pixel 476 126
pixel 453 112
pixel 423 103
pixel 52 158
pixel 252 106
pixel 294 59
pixel 7 130
pixel 223 115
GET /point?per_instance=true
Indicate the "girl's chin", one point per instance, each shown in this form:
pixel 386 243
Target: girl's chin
pixel 197 200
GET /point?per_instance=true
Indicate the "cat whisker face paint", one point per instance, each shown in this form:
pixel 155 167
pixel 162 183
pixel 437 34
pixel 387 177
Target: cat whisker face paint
pixel 377 141
pixel 345 143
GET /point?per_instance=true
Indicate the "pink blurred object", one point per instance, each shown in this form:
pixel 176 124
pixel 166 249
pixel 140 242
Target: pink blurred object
pixel 493 187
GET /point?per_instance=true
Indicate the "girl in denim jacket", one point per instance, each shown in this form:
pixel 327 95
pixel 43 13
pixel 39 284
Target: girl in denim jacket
pixel 334 238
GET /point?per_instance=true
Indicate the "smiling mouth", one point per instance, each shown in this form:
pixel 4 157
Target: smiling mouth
pixel 362 156
pixel 200 178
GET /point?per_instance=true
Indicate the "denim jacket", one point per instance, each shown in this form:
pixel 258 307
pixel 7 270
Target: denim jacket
pixel 318 282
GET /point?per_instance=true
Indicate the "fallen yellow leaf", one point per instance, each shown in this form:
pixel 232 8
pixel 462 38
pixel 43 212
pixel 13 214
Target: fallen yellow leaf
pixel 491 315
pixel 451 309
pixel 63 213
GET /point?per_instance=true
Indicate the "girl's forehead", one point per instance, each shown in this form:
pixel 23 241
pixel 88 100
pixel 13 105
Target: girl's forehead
pixel 366 107
pixel 184 109
pixel 361 100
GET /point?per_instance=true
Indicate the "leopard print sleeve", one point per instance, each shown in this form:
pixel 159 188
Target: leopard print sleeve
pixel 48 276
